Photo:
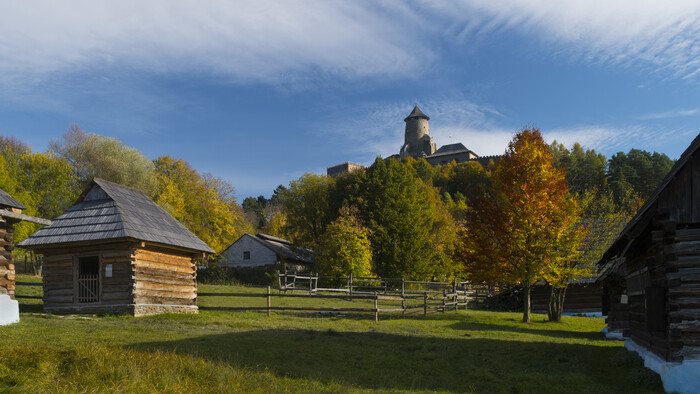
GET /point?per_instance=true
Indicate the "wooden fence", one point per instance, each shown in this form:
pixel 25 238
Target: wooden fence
pixel 427 302
pixel 430 296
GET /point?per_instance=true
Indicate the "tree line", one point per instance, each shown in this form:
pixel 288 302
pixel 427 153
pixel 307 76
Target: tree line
pixel 539 213
pixel 50 182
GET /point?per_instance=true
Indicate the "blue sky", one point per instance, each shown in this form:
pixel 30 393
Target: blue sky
pixel 260 92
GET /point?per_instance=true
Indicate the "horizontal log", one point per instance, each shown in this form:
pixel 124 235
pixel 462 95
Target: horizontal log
pixel 59 292
pixel 166 287
pixel 162 266
pixel 121 295
pixel 58 299
pixel 162 293
pixel 165 300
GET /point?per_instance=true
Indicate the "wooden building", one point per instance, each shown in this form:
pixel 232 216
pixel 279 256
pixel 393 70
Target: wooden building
pixel 651 277
pixel 582 297
pixel 264 250
pixel 10 213
pixel 116 251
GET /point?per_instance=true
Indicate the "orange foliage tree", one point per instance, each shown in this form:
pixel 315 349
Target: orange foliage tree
pixel 525 226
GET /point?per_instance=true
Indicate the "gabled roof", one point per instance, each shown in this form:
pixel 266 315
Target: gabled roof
pixel 107 210
pixel 677 167
pixel 416 113
pixel 451 148
pixel 8 201
pixel 282 248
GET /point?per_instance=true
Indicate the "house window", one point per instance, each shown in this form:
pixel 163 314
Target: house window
pixel 88 279
pixel 246 255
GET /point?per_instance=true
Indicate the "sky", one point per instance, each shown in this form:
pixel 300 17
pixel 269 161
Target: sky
pixel 261 92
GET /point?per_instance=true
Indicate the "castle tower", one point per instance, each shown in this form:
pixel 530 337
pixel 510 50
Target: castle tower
pixel 417 140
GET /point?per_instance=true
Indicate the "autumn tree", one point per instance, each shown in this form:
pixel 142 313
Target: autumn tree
pixel 527 226
pixel 203 203
pixel 345 246
pixel 97 156
pixel 42 181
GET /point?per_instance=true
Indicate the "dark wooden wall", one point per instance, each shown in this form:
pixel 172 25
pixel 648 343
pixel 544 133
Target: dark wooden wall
pixel 579 298
pixel 7 263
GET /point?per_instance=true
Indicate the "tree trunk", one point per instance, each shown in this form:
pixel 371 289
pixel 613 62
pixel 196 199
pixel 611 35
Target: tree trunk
pixel 526 303
pixel 556 303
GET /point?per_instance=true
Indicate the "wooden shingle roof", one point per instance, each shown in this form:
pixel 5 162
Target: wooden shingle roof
pixel 7 200
pixel 106 211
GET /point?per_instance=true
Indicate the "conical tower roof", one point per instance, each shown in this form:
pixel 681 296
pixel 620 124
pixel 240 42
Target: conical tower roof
pixel 416 113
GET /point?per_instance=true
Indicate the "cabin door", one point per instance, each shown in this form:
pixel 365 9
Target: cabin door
pixel 88 279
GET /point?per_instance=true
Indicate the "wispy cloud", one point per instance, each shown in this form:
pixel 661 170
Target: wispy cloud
pixel 283 42
pixel 662 36
pixel 671 114
pixel 261 40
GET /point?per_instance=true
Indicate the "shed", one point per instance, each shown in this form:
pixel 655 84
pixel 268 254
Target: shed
pixel 117 251
pixel 651 277
pixel 10 213
pixel 264 250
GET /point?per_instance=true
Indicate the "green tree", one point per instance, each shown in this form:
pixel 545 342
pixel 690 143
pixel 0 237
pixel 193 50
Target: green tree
pixel 305 205
pixel 400 211
pixel 97 156
pixel 345 247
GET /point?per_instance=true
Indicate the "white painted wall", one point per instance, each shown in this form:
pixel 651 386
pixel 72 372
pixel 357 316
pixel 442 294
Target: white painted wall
pixel 259 254
pixel 682 378
pixel 9 310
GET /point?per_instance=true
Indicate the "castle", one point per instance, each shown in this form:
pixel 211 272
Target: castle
pixel 419 144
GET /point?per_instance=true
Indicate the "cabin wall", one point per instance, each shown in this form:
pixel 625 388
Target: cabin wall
pixel 164 281
pixel 617 306
pixel 60 275
pixel 579 298
pixel 7 263
pixel 681 198
pixel 258 255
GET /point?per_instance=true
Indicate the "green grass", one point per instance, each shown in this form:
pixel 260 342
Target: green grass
pixel 466 351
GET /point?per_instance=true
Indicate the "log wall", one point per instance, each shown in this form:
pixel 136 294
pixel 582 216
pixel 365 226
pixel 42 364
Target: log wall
pixel 60 275
pixel 578 299
pixel 7 263
pixel 164 281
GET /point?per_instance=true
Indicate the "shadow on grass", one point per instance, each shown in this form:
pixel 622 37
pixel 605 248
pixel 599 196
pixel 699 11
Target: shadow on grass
pixel 393 362
pixel 477 326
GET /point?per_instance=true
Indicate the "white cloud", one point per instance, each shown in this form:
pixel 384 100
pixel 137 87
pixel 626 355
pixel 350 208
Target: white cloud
pixel 264 39
pixel 662 35
pixel 290 41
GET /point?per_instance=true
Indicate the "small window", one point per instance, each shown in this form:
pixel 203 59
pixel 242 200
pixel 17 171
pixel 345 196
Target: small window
pixel 246 255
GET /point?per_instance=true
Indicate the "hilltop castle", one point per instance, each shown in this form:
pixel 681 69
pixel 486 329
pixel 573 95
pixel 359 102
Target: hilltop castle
pixel 418 143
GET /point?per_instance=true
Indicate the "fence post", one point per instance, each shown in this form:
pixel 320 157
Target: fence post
pixel 425 303
pixel 311 282
pixel 268 301
pixel 376 307
pixel 350 283
pixel 403 297
pixel 444 297
pixel 454 291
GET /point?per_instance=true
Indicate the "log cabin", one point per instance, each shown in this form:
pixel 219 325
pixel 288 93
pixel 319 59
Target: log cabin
pixel 10 214
pixel 116 251
pixel 650 278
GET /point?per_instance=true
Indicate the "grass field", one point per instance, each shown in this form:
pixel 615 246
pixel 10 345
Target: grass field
pixel 465 351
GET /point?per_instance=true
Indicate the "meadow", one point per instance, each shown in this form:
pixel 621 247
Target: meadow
pixel 464 351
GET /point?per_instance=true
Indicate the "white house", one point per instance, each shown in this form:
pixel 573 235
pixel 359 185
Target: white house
pixel 261 250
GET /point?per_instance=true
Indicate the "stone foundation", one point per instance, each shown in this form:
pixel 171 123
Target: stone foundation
pixel 682 378
pixel 119 309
